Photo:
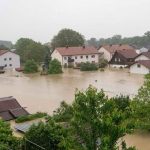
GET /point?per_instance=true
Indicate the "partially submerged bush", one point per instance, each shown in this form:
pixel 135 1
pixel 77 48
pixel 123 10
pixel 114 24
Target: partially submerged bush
pixel 103 63
pixel 30 117
pixel 30 67
pixel 88 66
pixel 55 67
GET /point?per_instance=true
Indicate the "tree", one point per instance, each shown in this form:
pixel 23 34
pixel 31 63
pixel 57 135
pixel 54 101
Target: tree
pixel 29 49
pixel 67 37
pixel 88 66
pixel 30 67
pixel 50 136
pixel 55 67
pixel 98 121
pixel 7 140
pixel 141 105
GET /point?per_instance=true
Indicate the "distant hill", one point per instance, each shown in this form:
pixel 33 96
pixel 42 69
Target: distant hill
pixel 7 44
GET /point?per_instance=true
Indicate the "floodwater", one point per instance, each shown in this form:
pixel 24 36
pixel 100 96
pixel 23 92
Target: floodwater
pixel 44 93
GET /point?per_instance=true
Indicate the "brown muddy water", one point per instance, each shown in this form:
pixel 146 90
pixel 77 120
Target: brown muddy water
pixel 44 93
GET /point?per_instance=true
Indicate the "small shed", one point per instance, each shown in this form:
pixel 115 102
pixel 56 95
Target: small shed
pixel 10 109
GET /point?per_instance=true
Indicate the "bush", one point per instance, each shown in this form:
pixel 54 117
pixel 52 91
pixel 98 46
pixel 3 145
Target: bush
pixel 55 67
pixel 30 67
pixel 88 66
pixel 103 63
pixel 30 117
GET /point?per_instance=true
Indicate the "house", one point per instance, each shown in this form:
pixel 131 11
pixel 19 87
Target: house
pixel 123 58
pixel 143 56
pixel 140 67
pixel 10 109
pixel 109 50
pixel 76 55
pixel 9 59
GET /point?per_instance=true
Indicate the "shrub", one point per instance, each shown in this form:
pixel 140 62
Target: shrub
pixel 30 117
pixel 30 67
pixel 55 67
pixel 103 63
pixel 88 66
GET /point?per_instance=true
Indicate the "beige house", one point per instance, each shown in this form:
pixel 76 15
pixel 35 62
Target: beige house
pixel 109 50
pixel 75 55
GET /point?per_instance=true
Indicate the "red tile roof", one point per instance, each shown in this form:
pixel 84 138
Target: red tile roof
pixel 128 53
pixel 71 51
pixel 113 48
pixel 11 109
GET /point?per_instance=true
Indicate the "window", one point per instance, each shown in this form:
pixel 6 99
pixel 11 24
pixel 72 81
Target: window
pixel 115 59
pixel 86 57
pixel 75 57
pixel 5 59
pixel 10 65
pixel 138 65
pixel 10 58
pixel 65 58
pixel 93 62
pixel 81 57
pixel 119 60
pixel 93 56
pixel 5 65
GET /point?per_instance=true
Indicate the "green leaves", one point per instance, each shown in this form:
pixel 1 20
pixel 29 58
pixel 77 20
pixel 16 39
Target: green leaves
pixel 30 67
pixel 55 67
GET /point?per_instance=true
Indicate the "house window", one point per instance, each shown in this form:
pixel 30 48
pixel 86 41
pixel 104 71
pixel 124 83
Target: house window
pixel 138 65
pixel 5 59
pixel 93 62
pixel 10 58
pixel 75 57
pixel 115 59
pixel 86 57
pixel 65 58
pixel 81 57
pixel 93 56
pixel 10 65
pixel 119 59
pixel 5 65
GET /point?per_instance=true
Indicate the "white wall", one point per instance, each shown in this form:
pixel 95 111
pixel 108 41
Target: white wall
pixel 78 59
pixel 118 66
pixel 106 54
pixel 13 63
pixel 56 55
pixel 142 57
pixel 141 70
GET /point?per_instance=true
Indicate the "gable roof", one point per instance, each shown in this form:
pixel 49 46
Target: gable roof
pixel 147 54
pixel 11 109
pixel 128 53
pixel 70 51
pixel 6 51
pixel 145 63
pixel 117 47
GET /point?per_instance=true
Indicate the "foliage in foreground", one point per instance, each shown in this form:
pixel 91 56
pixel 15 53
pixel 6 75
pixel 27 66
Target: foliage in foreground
pixel 55 67
pixel 30 117
pixel 88 66
pixel 141 105
pixel 50 136
pixel 30 67
pixel 7 140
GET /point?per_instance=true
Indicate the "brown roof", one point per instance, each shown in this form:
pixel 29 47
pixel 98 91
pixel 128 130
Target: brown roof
pixel 113 48
pixel 69 51
pixel 147 54
pixel 11 109
pixel 145 63
pixel 128 53
pixel 3 52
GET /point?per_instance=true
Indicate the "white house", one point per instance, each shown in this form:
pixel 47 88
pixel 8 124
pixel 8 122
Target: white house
pixel 109 50
pixel 76 55
pixel 143 56
pixel 140 67
pixel 9 59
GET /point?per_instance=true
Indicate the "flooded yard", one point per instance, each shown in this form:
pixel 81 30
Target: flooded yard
pixel 44 93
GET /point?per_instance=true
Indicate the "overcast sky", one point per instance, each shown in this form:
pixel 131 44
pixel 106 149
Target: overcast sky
pixel 42 19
